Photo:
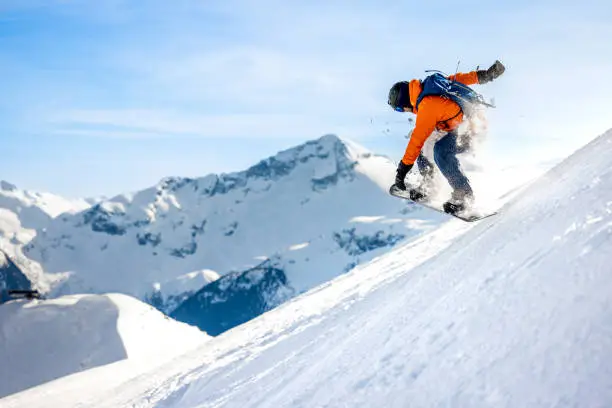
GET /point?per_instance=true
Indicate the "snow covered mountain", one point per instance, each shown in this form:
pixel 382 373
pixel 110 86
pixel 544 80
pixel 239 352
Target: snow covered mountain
pixel 311 212
pixel 11 278
pixel 47 339
pixel 235 298
pixel 23 211
pixel 511 312
pixel 22 214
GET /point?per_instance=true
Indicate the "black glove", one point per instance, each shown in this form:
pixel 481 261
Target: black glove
pixel 400 175
pixel 490 74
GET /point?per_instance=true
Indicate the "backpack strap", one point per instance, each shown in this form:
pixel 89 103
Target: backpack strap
pixel 439 85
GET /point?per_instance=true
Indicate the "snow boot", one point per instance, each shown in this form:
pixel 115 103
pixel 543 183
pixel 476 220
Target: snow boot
pixel 460 201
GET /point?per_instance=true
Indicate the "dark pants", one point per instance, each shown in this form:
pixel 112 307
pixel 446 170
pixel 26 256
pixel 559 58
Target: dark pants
pixel 445 155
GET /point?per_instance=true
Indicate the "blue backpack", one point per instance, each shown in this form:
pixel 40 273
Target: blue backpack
pixel 439 85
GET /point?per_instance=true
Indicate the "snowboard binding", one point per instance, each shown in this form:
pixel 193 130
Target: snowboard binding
pixel 417 195
pixel 453 209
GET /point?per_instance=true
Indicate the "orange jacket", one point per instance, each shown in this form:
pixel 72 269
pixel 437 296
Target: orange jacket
pixel 434 113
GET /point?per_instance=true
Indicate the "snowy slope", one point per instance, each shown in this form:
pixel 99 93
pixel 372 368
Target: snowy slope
pixel 43 340
pixel 22 213
pixel 512 312
pixel 315 210
pixel 35 208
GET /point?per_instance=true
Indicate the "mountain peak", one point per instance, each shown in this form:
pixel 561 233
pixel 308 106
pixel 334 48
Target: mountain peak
pixel 329 155
pixel 329 139
pixel 329 150
pixel 328 147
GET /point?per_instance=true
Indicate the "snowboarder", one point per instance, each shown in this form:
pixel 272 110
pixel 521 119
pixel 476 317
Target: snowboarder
pixel 440 103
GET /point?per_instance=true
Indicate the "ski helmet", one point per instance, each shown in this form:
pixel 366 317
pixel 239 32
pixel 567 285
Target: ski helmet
pixel 399 96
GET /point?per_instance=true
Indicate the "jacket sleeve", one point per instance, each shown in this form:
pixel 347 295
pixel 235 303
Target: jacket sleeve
pixel 470 78
pixel 425 125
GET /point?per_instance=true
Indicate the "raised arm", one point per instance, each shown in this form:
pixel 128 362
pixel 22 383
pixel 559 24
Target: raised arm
pixel 469 78
pixel 481 76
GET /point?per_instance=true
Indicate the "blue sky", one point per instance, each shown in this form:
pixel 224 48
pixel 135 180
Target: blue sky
pixel 108 97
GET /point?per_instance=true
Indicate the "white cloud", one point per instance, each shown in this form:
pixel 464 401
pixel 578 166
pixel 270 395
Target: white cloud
pixel 159 123
pixel 110 133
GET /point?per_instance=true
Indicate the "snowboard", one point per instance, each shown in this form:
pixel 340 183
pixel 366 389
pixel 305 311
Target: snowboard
pixel 469 215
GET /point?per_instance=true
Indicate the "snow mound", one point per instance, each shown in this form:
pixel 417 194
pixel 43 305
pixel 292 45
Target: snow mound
pixel 43 340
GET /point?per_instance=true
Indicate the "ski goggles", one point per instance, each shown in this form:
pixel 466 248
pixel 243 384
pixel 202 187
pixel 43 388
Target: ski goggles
pixel 399 108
